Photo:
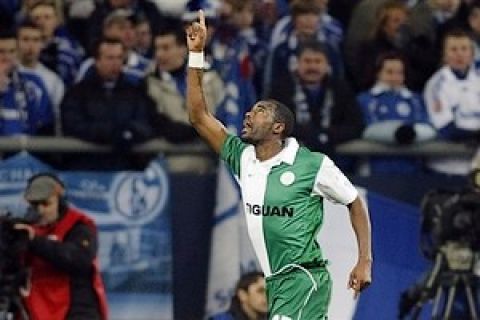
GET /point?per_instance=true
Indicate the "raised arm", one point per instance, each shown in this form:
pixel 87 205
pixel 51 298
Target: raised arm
pixel 207 126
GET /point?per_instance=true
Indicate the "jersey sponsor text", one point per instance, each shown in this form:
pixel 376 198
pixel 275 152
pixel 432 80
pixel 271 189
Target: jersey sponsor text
pixel 266 210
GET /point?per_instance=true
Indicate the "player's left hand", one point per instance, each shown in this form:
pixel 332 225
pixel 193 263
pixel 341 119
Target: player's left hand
pixel 360 277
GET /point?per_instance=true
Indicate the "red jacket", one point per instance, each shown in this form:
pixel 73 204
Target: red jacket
pixel 49 296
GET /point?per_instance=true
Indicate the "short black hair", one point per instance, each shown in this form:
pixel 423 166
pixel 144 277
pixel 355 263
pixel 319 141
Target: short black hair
pixel 284 115
pixel 175 29
pixel 7 34
pixel 301 7
pixel 105 40
pixel 28 24
pixel 313 45
pixel 456 33
pixel 245 281
pixel 389 55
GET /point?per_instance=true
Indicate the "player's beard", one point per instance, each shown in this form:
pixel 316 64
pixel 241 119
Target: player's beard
pixel 249 140
pixel 254 137
pixel 250 137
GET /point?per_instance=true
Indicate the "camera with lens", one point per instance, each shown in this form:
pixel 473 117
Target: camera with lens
pixel 450 236
pixel 451 222
pixel 13 244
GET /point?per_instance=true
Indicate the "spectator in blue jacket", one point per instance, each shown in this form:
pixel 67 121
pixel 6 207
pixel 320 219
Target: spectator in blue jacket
pixel 393 114
pixel 25 107
pixel 30 43
pixel 61 52
pixel 249 301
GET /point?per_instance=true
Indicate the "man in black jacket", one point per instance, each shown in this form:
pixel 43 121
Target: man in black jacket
pixel 108 108
pixel 325 108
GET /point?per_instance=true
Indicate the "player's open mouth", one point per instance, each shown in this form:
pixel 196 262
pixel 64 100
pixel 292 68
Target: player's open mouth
pixel 246 127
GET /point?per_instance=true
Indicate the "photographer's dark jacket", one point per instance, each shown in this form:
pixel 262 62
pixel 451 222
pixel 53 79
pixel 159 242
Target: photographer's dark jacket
pixel 65 273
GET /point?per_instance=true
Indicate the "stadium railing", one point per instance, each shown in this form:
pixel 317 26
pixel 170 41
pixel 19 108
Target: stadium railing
pixel 72 145
pixel 362 148
pixel 365 148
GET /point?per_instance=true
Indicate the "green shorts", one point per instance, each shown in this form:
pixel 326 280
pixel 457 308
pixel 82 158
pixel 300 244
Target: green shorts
pixel 291 295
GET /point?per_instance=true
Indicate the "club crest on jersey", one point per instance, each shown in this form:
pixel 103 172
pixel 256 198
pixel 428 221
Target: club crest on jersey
pixel 287 178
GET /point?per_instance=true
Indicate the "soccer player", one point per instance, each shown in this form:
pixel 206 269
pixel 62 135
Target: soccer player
pixel 283 186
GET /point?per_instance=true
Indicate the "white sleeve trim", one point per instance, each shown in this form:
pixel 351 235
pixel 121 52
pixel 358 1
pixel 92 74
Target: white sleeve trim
pixel 333 185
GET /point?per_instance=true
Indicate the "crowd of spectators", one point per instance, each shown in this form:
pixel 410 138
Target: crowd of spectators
pixel 113 72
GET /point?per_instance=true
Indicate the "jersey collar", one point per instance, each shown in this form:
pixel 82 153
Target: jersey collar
pixel 287 154
pixel 290 150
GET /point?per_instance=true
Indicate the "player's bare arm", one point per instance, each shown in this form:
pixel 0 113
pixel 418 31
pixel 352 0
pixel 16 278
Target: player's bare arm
pixel 207 126
pixel 361 275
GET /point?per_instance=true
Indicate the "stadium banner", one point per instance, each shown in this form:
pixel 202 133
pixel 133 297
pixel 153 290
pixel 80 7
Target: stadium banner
pixel 132 212
pixel 397 259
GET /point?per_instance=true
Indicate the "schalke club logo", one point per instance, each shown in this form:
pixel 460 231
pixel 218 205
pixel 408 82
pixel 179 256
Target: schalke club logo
pixel 141 197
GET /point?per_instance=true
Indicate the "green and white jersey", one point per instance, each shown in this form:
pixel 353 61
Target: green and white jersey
pixel 283 199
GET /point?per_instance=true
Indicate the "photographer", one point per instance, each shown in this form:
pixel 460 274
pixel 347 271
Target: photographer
pixel 64 279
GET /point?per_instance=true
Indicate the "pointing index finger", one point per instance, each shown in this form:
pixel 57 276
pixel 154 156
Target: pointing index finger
pixel 201 17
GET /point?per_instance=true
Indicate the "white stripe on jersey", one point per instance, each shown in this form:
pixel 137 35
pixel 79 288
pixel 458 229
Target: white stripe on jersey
pixel 332 184
pixel 253 180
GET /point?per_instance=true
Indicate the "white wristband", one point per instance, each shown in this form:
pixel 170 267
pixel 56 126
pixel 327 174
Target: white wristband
pixel 196 60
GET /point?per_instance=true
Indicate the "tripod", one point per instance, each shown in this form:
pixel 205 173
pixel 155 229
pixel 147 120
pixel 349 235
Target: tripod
pixel 451 272
pixel 11 305
pixel 7 307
